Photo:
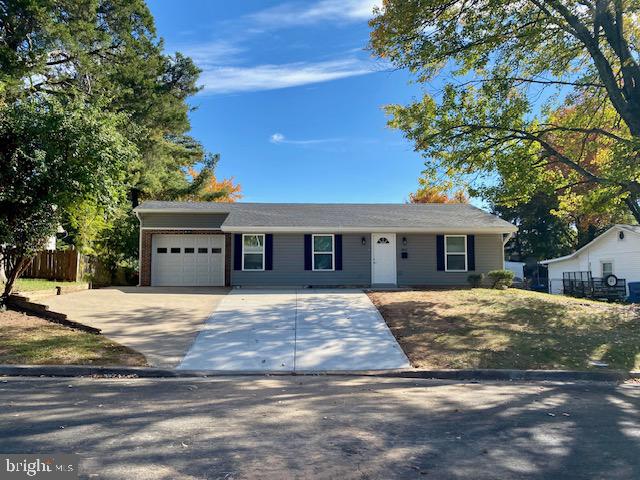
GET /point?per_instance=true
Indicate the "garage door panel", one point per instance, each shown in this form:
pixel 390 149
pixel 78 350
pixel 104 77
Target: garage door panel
pixel 187 260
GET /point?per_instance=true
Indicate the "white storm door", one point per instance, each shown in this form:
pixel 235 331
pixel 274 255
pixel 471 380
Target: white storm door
pixel 383 258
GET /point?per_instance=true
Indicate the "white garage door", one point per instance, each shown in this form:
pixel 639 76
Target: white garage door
pixel 187 260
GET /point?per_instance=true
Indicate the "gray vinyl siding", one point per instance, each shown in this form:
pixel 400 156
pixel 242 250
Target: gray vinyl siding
pixel 420 268
pixel 182 220
pixel 288 265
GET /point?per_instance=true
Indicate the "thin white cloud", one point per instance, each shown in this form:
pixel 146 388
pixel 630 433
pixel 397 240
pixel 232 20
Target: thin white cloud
pixel 232 79
pixel 224 62
pixel 278 138
pixel 212 53
pixel 291 14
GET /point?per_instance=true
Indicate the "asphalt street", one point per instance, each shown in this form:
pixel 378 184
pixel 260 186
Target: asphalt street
pixel 326 427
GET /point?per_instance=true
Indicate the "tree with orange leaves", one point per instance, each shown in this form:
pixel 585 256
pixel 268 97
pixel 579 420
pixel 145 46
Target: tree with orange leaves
pixel 431 192
pixel 213 190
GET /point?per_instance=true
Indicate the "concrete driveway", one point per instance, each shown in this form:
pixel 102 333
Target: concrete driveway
pixel 295 330
pixel 159 322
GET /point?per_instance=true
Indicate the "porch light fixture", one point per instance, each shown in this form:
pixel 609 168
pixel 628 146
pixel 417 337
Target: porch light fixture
pixel 364 241
pixel 404 241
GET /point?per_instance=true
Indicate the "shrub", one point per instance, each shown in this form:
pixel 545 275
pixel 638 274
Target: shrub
pixel 500 278
pixel 475 279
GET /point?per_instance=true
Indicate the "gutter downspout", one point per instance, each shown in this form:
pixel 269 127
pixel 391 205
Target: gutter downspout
pixel 139 246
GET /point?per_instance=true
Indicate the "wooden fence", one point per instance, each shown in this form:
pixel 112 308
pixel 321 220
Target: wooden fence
pixel 61 265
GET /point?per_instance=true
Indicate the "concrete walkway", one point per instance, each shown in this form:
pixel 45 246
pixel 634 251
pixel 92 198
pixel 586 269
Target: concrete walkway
pixel 295 330
pixel 159 322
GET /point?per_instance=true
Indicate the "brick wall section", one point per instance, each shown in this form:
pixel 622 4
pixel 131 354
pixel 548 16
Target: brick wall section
pixel 146 242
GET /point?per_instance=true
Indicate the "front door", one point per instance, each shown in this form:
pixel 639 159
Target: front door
pixel 383 258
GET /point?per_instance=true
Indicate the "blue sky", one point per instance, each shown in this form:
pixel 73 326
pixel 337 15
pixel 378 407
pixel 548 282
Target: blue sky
pixel 291 99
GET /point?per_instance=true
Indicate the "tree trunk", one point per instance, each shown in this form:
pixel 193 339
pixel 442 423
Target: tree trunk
pixel 14 273
pixel 135 197
pixel 632 203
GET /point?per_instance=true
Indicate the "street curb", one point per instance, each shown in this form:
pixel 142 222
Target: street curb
pixel 477 374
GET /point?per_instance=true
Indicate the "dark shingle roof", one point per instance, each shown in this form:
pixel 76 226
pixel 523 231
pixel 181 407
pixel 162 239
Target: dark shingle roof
pixel 434 216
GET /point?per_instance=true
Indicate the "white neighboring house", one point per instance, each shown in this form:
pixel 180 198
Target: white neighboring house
pixel 51 243
pixel 615 252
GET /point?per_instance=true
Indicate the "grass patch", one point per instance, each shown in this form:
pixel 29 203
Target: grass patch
pixel 25 339
pixel 36 284
pixel 481 328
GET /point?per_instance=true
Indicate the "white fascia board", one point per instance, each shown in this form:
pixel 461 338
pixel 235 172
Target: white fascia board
pixel 627 229
pixel 263 229
pixel 584 247
pixel 559 259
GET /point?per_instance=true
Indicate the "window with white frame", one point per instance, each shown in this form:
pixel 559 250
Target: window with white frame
pixel 607 268
pixel 455 253
pixel 323 252
pixel 252 251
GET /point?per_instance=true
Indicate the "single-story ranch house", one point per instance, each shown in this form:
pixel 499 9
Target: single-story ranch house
pixel 273 244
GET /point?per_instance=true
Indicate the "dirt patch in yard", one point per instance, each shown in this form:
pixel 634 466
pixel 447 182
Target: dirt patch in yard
pixel 482 328
pixel 26 339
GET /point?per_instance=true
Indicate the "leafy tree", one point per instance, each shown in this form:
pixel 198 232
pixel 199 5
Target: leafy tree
pixel 117 245
pixel 60 57
pixel 84 222
pixel 215 190
pixel 428 194
pixel 52 156
pixel 590 208
pixel 433 189
pixel 497 60
pixel 541 234
pixel 107 49
pixel 563 215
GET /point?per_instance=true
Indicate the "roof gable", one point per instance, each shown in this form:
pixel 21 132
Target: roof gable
pixel 635 229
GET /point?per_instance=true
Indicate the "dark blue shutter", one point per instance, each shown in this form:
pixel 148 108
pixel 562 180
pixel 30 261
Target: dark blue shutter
pixel 338 246
pixel 268 246
pixel 237 251
pixel 440 252
pixel 307 252
pixel 471 252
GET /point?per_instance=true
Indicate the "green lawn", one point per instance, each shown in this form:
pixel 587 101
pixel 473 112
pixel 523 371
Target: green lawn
pixel 26 339
pixel 35 284
pixel 482 328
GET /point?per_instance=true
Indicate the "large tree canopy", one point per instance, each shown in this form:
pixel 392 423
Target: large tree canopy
pixel 91 112
pixel 51 157
pixel 106 51
pixel 506 69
